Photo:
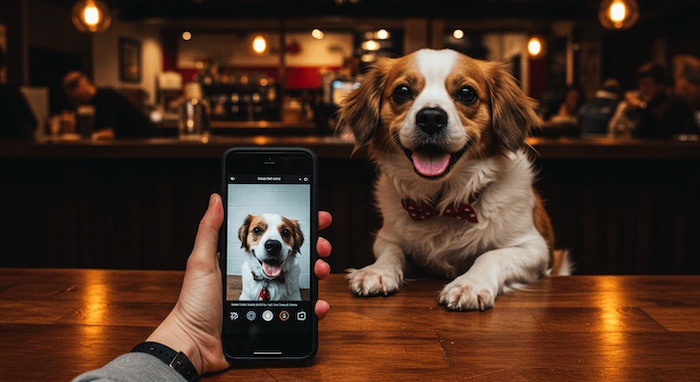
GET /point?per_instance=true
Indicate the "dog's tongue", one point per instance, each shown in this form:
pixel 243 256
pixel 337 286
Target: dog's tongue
pixel 429 164
pixel 272 270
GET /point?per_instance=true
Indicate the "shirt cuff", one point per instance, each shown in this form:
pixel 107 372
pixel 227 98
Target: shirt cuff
pixel 133 367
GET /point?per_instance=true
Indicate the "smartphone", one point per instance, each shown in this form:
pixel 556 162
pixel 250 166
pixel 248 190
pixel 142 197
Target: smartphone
pixel 268 249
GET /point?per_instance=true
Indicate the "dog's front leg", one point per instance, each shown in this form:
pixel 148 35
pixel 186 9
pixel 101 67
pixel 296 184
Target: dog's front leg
pixel 478 288
pixel 385 276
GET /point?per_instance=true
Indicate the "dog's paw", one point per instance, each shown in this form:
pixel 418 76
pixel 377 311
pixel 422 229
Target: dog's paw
pixel 374 280
pixel 463 295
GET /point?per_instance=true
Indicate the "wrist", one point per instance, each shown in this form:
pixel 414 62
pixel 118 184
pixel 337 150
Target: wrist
pixel 177 361
pixel 171 334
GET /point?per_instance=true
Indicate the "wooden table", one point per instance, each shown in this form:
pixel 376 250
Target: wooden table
pixel 55 324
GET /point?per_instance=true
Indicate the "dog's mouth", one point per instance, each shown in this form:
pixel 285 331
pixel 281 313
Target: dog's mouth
pixel 432 161
pixel 271 268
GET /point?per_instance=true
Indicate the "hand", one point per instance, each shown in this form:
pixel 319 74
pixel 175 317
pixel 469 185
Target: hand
pixel 194 325
pixel 563 110
pixel 103 134
pixel 635 99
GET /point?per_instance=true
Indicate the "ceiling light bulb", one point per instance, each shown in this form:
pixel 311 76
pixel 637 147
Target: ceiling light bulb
pixel 91 16
pixel 536 47
pixel 259 44
pixel 370 45
pixel 618 14
pixel 317 34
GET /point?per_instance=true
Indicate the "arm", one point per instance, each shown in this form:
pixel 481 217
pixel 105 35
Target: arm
pixel 132 367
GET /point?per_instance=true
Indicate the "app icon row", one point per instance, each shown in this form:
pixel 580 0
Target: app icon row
pixel 268 316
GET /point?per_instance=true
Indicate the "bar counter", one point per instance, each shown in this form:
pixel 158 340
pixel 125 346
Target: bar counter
pixel 617 205
pixel 332 147
pixel 56 324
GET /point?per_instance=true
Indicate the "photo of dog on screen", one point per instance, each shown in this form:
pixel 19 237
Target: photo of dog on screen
pixel 270 272
pixel 268 249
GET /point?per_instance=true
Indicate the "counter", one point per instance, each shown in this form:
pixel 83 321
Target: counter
pixel 620 207
pixel 332 147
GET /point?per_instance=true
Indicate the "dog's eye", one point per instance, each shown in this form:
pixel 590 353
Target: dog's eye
pixel 286 232
pixel 467 95
pixel 402 93
pixel 257 231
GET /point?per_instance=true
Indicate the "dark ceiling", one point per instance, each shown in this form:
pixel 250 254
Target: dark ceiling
pixel 476 9
pixel 464 10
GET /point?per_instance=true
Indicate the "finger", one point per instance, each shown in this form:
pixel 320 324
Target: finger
pixel 321 309
pixel 324 219
pixel 206 242
pixel 323 247
pixel 322 269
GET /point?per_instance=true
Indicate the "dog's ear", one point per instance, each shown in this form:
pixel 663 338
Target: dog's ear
pixel 512 112
pixel 298 236
pixel 359 111
pixel 243 232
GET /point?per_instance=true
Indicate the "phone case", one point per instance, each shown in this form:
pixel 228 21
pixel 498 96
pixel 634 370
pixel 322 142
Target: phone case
pixel 279 312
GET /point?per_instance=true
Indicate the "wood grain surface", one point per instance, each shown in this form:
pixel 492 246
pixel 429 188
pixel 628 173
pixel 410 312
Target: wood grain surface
pixel 56 324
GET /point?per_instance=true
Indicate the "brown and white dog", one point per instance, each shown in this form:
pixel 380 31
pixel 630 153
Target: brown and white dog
pixel 270 273
pixel 456 183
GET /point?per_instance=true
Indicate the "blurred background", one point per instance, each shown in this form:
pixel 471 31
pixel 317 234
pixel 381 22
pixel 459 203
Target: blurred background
pixel 219 73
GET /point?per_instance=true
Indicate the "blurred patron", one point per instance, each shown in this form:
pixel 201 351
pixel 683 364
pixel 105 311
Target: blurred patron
pixel 594 115
pixel 653 111
pixel 115 115
pixel 568 106
pixel 686 71
pixel 16 118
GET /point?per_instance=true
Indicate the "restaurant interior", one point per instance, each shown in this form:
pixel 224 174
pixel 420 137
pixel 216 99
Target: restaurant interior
pixel 273 72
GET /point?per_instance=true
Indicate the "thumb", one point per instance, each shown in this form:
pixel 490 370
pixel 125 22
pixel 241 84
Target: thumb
pixel 207 240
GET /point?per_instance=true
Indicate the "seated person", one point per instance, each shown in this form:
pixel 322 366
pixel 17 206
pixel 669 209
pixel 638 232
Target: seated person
pixel 656 112
pixel 687 79
pixel 594 115
pixel 115 115
pixel 568 106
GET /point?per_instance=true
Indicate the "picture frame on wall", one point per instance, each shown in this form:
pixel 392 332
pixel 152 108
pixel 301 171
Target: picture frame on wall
pixel 129 60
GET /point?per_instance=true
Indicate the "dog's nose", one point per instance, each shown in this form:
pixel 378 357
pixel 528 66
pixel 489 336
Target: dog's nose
pixel 272 247
pixel 431 120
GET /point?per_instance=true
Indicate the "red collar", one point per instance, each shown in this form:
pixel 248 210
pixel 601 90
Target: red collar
pixel 264 294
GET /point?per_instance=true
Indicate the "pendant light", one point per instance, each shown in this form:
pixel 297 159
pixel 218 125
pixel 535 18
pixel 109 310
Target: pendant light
pixel 537 47
pixel 618 14
pixel 91 16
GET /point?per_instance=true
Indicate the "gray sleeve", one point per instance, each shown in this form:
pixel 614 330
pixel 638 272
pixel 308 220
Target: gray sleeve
pixel 133 367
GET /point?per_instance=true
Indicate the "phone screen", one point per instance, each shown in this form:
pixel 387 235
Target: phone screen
pixel 268 254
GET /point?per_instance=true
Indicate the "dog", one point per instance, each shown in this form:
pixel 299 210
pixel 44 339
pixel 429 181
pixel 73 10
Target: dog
pixel 455 186
pixel 270 271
